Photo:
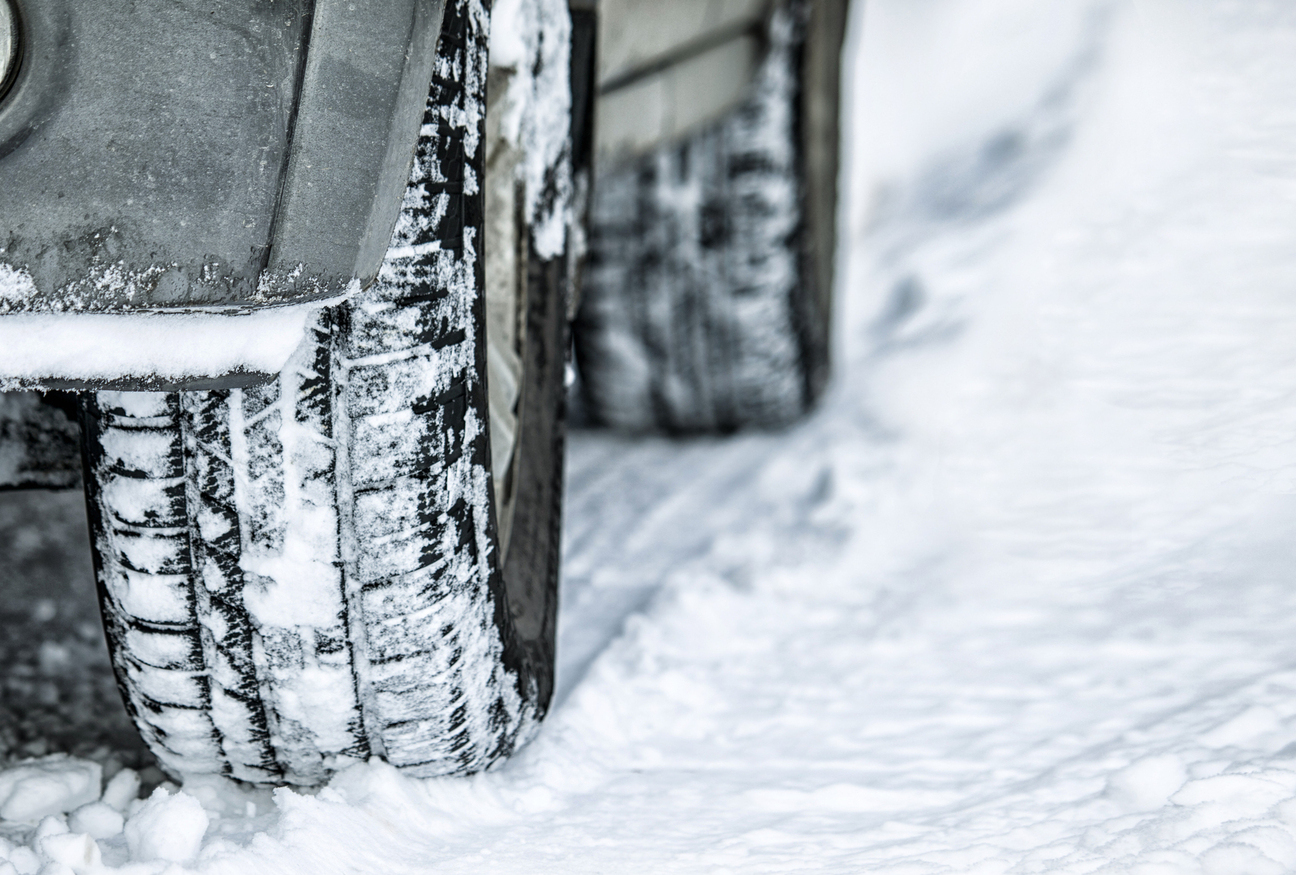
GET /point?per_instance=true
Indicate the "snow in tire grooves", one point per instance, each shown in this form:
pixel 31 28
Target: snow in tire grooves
pixel 302 575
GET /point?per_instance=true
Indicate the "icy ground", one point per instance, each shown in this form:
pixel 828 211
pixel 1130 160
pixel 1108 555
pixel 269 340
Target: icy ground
pixel 1018 598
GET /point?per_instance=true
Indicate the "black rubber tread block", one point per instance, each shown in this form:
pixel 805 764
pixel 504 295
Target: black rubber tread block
pixel 134 463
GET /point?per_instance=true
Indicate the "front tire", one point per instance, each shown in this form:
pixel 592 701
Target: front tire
pixel 300 576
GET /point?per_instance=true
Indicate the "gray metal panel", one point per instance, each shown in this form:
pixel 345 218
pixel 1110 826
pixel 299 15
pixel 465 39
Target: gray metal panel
pixel 141 147
pixel 361 108
pixel 638 34
pixel 145 146
pixel 670 67
pixel 668 104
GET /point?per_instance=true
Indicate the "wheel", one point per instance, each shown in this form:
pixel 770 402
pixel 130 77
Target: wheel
pixel 39 441
pixel 360 559
pixel 707 298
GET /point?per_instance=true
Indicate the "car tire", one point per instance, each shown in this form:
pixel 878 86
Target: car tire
pixel 300 576
pixel 707 298
pixel 39 441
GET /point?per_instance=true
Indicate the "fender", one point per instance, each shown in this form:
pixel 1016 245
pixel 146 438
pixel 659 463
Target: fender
pixel 158 156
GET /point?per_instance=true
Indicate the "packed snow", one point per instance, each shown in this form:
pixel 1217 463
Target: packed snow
pixel 531 40
pixel 1018 597
pixel 41 349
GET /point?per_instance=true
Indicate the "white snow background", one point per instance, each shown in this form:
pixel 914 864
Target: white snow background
pixel 1018 598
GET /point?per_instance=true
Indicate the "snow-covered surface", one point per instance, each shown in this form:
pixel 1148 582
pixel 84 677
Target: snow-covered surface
pixel 532 39
pixel 37 347
pixel 1018 598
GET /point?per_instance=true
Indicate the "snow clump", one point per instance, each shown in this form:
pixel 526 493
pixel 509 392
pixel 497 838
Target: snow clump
pixel 167 827
pixel 532 39
pixel 98 820
pixel 54 784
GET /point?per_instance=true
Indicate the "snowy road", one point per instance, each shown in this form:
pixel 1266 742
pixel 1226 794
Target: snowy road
pixel 1019 597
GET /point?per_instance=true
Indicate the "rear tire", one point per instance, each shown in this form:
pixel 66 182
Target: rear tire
pixel 300 576
pixel 707 299
pixel 39 441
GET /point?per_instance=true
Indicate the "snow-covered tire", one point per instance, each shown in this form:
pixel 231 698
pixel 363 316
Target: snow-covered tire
pixel 707 293
pixel 302 575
